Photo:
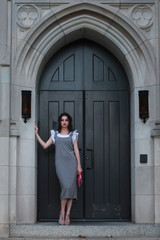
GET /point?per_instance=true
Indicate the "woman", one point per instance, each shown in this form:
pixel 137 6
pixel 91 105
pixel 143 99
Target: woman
pixel 67 162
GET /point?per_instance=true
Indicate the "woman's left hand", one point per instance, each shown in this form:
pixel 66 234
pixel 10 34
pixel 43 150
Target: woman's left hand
pixel 79 170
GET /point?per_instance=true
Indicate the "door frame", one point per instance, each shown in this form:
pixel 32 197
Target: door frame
pixel 93 90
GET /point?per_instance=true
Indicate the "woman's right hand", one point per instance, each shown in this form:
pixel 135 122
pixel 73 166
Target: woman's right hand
pixel 36 129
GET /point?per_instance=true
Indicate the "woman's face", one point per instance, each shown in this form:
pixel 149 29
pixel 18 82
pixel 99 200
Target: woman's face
pixel 64 122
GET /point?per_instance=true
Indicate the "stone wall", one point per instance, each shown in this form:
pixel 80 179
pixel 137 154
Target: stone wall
pixel 130 29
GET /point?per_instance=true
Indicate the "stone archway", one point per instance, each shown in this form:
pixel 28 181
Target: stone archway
pixel 109 28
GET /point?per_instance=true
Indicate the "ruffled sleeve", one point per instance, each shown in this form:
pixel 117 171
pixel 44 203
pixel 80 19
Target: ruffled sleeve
pixel 53 136
pixel 75 135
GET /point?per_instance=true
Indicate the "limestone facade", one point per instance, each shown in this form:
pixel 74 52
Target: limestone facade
pixel 31 32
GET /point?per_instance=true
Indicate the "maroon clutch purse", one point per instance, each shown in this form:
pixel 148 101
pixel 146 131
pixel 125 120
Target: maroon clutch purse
pixel 79 180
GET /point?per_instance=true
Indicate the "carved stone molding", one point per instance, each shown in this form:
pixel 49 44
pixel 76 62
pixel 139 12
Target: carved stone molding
pixel 14 132
pixel 156 131
pixel 142 16
pixel 27 15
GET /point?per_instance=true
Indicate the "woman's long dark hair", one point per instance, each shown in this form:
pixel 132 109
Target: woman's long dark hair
pixel 70 129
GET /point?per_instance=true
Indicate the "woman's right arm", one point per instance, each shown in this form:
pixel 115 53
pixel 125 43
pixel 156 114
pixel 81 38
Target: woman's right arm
pixel 43 144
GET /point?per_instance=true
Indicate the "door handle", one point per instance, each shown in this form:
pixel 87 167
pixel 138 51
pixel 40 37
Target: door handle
pixel 89 159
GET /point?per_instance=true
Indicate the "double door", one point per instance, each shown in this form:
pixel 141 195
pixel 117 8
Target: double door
pixel 102 120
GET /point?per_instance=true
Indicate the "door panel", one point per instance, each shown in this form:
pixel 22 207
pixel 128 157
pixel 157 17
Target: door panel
pixel 105 184
pixel 64 71
pixel 102 71
pixel 48 185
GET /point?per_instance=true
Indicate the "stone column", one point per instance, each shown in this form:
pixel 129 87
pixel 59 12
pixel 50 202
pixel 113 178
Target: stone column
pixel 23 169
pixel 5 16
pixel 142 174
pixel 14 134
pixel 4 149
pixel 156 137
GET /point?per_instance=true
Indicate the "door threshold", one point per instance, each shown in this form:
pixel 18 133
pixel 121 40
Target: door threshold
pixel 88 220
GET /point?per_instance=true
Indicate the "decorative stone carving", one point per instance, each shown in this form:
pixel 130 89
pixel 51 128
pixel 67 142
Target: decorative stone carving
pixel 142 16
pixel 27 15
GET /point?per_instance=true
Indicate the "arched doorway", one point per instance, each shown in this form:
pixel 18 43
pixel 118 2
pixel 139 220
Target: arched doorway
pixel 87 81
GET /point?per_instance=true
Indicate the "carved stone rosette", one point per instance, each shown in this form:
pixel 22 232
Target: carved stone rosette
pixel 142 16
pixel 27 15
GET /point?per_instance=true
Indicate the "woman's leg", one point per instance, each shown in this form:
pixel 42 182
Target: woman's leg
pixel 63 205
pixel 62 213
pixel 69 205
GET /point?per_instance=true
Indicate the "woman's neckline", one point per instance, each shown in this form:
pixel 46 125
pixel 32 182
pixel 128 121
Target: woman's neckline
pixel 63 134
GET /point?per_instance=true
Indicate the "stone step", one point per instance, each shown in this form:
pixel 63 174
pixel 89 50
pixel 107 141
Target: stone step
pixel 85 230
pixel 150 238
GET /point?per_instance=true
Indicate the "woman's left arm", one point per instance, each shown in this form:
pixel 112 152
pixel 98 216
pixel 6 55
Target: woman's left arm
pixel 76 151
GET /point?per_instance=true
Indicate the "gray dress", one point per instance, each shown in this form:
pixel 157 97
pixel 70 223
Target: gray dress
pixel 66 163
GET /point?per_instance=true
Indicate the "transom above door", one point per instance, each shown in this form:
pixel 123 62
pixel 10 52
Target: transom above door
pixel 83 65
pixel 89 83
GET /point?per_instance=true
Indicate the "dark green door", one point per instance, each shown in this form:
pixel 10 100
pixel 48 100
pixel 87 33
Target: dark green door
pixel 88 82
pixel 107 188
pixel 52 103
